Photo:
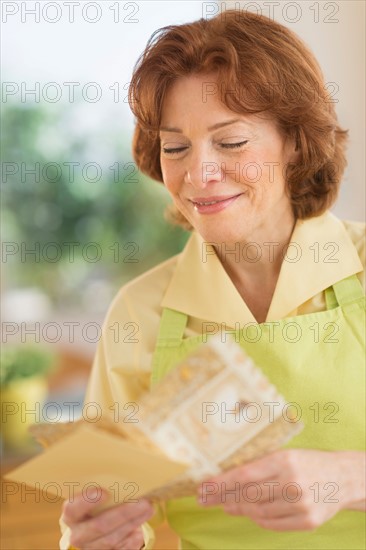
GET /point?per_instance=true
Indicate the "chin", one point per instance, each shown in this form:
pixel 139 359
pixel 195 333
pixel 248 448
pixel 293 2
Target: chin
pixel 221 235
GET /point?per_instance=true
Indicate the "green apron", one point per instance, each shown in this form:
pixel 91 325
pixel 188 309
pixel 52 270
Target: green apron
pixel 316 361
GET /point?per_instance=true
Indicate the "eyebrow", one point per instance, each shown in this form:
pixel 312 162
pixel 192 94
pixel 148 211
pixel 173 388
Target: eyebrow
pixel 210 129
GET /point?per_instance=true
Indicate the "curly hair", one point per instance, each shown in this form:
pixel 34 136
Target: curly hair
pixel 271 70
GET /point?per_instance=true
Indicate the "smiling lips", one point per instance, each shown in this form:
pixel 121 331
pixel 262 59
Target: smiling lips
pixel 210 205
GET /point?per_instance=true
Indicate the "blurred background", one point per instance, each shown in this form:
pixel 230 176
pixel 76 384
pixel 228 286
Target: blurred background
pixel 78 219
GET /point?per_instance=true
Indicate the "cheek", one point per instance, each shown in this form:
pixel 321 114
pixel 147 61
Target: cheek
pixel 164 172
pixel 254 169
pixel 252 173
pixel 271 169
pixel 170 178
pixel 170 184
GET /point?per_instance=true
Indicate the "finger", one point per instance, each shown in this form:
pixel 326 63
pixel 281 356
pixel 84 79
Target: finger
pixel 134 543
pixel 261 469
pixel 118 539
pixel 298 522
pixel 124 518
pixel 81 507
pixel 275 510
pixel 214 494
pixel 262 510
pixel 107 541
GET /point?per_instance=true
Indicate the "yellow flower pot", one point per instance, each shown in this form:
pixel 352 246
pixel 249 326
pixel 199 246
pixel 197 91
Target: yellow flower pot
pixel 21 406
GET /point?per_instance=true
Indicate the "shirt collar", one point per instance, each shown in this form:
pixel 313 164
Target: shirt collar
pixel 320 254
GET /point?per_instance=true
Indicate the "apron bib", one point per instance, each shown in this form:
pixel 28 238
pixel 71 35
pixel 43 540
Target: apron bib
pixel 317 362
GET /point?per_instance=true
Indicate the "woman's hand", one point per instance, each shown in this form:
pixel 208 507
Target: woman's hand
pixel 292 489
pixel 117 528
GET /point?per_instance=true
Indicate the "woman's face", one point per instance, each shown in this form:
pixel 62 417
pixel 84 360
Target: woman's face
pixel 224 171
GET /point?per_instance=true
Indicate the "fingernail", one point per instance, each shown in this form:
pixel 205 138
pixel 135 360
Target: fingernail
pixel 96 495
pixel 144 505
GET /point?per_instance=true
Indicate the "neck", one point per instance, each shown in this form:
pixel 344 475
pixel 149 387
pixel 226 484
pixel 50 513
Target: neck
pixel 258 259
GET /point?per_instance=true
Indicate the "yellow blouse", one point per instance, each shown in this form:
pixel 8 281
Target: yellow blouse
pixel 323 250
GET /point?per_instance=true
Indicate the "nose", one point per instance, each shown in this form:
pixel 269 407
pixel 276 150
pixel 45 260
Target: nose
pixel 203 169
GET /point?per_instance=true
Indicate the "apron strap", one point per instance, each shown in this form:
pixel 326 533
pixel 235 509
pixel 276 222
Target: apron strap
pixel 330 298
pixel 171 329
pixel 173 322
pixel 345 291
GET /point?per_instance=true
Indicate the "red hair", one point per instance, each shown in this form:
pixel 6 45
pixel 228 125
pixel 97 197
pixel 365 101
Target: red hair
pixel 272 71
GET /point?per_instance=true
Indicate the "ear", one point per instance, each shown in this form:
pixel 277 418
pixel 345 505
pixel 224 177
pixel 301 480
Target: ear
pixel 292 146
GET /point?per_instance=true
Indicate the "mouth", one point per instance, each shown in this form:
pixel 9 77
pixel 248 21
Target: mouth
pixel 208 205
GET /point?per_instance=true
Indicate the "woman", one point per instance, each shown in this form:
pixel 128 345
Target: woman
pixel 233 117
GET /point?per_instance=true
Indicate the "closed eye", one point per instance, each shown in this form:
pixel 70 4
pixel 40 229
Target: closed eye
pixel 233 145
pixel 171 151
pixel 175 150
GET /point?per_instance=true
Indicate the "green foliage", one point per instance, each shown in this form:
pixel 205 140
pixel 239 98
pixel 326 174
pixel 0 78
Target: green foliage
pixel 124 209
pixel 24 361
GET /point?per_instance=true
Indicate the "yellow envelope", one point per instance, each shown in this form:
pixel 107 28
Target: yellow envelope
pixel 93 458
pixel 131 460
